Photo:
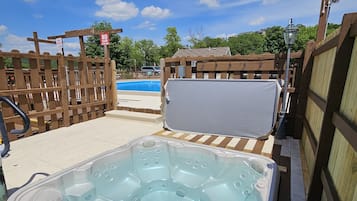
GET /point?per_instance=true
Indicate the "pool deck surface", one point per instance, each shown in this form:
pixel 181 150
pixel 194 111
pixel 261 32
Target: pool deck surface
pixel 143 100
pixel 61 148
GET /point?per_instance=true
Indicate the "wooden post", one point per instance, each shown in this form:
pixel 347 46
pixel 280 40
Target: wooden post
pixel 64 89
pixel 114 79
pixel 108 79
pixel 83 49
pixel 37 48
pixel 322 21
pixel 163 79
pixel 303 87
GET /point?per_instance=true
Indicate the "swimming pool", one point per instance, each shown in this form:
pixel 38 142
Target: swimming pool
pixel 153 168
pixel 144 85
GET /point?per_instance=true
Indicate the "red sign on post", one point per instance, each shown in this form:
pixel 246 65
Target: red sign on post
pixel 104 38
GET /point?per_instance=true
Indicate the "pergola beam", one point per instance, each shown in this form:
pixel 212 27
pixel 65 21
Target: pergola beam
pixel 42 40
pixel 85 32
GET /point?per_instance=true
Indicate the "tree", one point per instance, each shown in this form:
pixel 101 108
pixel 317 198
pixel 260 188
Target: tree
pixel 147 52
pixel 304 35
pixel 247 43
pixel 94 49
pixel 173 42
pixel 274 39
pixel 208 42
pixel 307 33
pixel 125 54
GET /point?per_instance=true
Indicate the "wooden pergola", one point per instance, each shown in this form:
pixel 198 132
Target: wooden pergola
pixel 72 34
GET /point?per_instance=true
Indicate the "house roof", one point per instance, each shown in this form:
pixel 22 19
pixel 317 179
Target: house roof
pixel 203 52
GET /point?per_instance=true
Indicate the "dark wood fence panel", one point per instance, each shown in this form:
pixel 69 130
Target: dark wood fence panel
pixel 54 90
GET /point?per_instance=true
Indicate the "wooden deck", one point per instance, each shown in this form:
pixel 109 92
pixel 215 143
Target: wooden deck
pixel 249 145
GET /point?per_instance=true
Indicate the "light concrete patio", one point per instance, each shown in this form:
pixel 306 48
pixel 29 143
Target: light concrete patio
pixel 58 149
pixel 143 100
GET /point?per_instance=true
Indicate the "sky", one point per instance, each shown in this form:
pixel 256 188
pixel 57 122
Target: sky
pixel 149 19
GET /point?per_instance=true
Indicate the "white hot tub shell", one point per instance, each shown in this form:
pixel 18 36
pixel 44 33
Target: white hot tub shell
pixel 156 168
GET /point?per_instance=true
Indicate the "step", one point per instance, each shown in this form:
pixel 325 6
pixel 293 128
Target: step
pixel 123 114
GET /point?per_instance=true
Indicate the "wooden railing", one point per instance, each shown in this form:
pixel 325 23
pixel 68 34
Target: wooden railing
pixel 54 90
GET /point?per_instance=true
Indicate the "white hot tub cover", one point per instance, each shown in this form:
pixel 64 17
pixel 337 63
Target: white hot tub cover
pixel 246 108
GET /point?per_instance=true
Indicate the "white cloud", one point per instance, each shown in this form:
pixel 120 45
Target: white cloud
pixel 116 9
pixel 13 41
pixel 237 3
pixel 16 42
pixel 155 12
pixel 37 16
pixel 146 25
pixel 3 29
pixel 223 4
pixel 210 3
pixel 266 2
pixel 226 35
pixel 257 21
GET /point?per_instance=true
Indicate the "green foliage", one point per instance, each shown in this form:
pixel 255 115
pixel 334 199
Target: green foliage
pixel 305 34
pixel 123 52
pixel 8 62
pixel 274 39
pixel 331 27
pixel 129 54
pixel 149 52
pixel 173 41
pixel 93 47
pixel 208 42
pixel 247 43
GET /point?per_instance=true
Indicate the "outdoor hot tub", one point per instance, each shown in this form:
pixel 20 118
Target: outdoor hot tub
pixel 153 168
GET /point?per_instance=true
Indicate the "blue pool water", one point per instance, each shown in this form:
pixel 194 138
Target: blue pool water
pixel 147 85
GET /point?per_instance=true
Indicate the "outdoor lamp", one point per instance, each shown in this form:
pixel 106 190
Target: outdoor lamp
pixel 289 37
pixel 290 33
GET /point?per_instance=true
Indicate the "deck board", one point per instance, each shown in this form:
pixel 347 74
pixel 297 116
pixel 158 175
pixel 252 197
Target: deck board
pixel 261 147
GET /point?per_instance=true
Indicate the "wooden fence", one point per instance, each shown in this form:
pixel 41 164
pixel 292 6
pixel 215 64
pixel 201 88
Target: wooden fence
pixel 265 66
pixel 54 90
pixel 327 114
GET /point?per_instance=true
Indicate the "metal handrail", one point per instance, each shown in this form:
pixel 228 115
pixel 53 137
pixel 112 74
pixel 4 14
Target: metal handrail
pixel 3 129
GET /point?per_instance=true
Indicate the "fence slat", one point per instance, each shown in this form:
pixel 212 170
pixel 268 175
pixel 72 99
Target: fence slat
pixel 72 92
pixel 62 78
pixel 83 81
pixel 35 84
pixel 91 90
pixel 100 92
pixel 51 99
pixel 21 84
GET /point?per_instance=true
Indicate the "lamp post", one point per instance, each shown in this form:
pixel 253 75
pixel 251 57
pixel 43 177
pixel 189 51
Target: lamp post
pixel 290 34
